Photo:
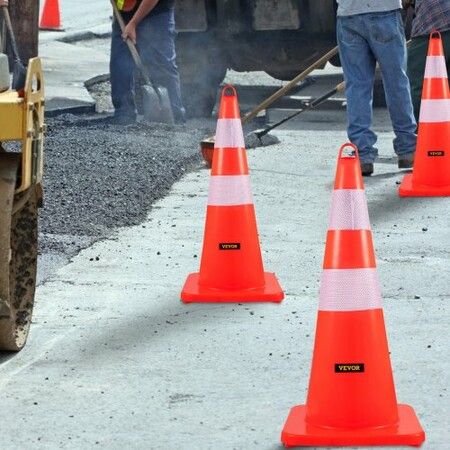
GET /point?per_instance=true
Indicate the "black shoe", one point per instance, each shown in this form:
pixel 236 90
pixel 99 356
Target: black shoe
pixel 406 161
pixel 366 169
pixel 180 119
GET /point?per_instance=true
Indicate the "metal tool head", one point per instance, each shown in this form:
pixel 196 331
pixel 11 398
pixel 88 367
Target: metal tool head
pixel 156 108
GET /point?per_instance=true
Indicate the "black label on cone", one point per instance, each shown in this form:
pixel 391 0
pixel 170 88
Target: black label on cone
pixel 436 153
pixel 348 367
pixel 230 246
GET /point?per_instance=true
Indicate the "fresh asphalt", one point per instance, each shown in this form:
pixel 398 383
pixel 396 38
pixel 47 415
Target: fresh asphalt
pixel 100 177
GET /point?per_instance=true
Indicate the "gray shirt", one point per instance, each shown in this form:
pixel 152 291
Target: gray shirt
pixel 352 7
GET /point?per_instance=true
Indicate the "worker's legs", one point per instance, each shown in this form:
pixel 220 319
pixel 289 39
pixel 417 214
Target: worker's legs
pixel 358 64
pixel 388 44
pixel 121 70
pixel 156 43
pixel 417 54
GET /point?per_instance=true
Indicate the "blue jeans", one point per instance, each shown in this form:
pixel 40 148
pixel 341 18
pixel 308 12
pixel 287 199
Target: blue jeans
pixel 364 40
pixel 156 45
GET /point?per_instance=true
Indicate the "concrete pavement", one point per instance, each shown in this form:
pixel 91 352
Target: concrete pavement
pixel 78 18
pixel 68 66
pixel 116 361
pixel 66 69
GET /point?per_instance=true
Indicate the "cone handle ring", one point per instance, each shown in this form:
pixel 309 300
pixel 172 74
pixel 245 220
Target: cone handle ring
pixel 229 91
pixel 352 146
pixel 434 34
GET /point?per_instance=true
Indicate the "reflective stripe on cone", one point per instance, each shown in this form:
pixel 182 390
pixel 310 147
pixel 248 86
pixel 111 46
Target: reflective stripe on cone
pixel 349 290
pixel 349 210
pixel 435 67
pixel 229 134
pixel 436 110
pixel 229 190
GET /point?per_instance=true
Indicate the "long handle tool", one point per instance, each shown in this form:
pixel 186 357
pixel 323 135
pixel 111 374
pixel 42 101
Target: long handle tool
pixel 287 87
pixel 316 102
pixel 207 144
pixel 19 71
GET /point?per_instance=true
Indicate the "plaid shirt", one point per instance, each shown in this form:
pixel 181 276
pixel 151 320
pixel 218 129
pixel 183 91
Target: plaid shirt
pixel 431 15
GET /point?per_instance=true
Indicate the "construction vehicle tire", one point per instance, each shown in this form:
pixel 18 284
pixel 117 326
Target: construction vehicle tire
pixel 20 274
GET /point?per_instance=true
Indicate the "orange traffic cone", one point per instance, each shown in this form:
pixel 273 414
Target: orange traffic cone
pixel 431 173
pixel 231 267
pixel 51 19
pixel 351 398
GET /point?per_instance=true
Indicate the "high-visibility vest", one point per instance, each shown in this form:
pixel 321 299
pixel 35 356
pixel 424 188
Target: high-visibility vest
pixel 130 4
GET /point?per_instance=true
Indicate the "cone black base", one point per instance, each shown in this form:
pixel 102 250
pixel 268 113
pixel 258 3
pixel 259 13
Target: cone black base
pixel 270 292
pixel 298 433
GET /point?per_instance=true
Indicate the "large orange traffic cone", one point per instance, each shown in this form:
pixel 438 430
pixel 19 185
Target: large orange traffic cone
pixel 51 18
pixel 231 267
pixel 351 398
pixel 431 172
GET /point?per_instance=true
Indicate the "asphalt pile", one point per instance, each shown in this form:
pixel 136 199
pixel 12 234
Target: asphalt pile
pixel 99 177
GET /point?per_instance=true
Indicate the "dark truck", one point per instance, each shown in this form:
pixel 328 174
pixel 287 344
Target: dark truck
pixel 279 37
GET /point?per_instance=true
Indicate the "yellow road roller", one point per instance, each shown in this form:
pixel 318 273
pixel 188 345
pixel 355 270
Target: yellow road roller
pixel 21 170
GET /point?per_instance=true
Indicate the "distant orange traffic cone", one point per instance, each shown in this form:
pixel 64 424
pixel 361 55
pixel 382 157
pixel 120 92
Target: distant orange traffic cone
pixel 51 18
pixel 231 268
pixel 431 172
pixel 351 398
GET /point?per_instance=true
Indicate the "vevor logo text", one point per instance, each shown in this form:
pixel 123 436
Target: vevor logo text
pixel 230 246
pixel 349 367
pixel 436 153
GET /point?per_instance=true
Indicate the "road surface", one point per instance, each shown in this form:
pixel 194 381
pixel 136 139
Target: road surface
pixel 116 361
pixel 77 16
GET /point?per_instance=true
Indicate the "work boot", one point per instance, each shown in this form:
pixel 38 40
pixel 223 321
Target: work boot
pixel 366 169
pixel 180 121
pixel 406 161
pixel 179 118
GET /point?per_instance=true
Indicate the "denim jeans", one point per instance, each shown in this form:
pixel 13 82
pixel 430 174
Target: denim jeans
pixel 156 45
pixel 364 40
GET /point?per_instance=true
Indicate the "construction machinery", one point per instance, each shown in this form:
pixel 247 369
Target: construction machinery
pixel 21 170
pixel 279 37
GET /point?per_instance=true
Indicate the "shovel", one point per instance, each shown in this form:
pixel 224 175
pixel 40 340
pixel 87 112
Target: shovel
pixel 19 70
pixel 155 100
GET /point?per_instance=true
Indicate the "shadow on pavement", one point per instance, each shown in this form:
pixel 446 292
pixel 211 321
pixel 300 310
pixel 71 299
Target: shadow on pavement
pixel 380 176
pixel 6 356
pixel 392 205
pixel 385 160
pixel 129 331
